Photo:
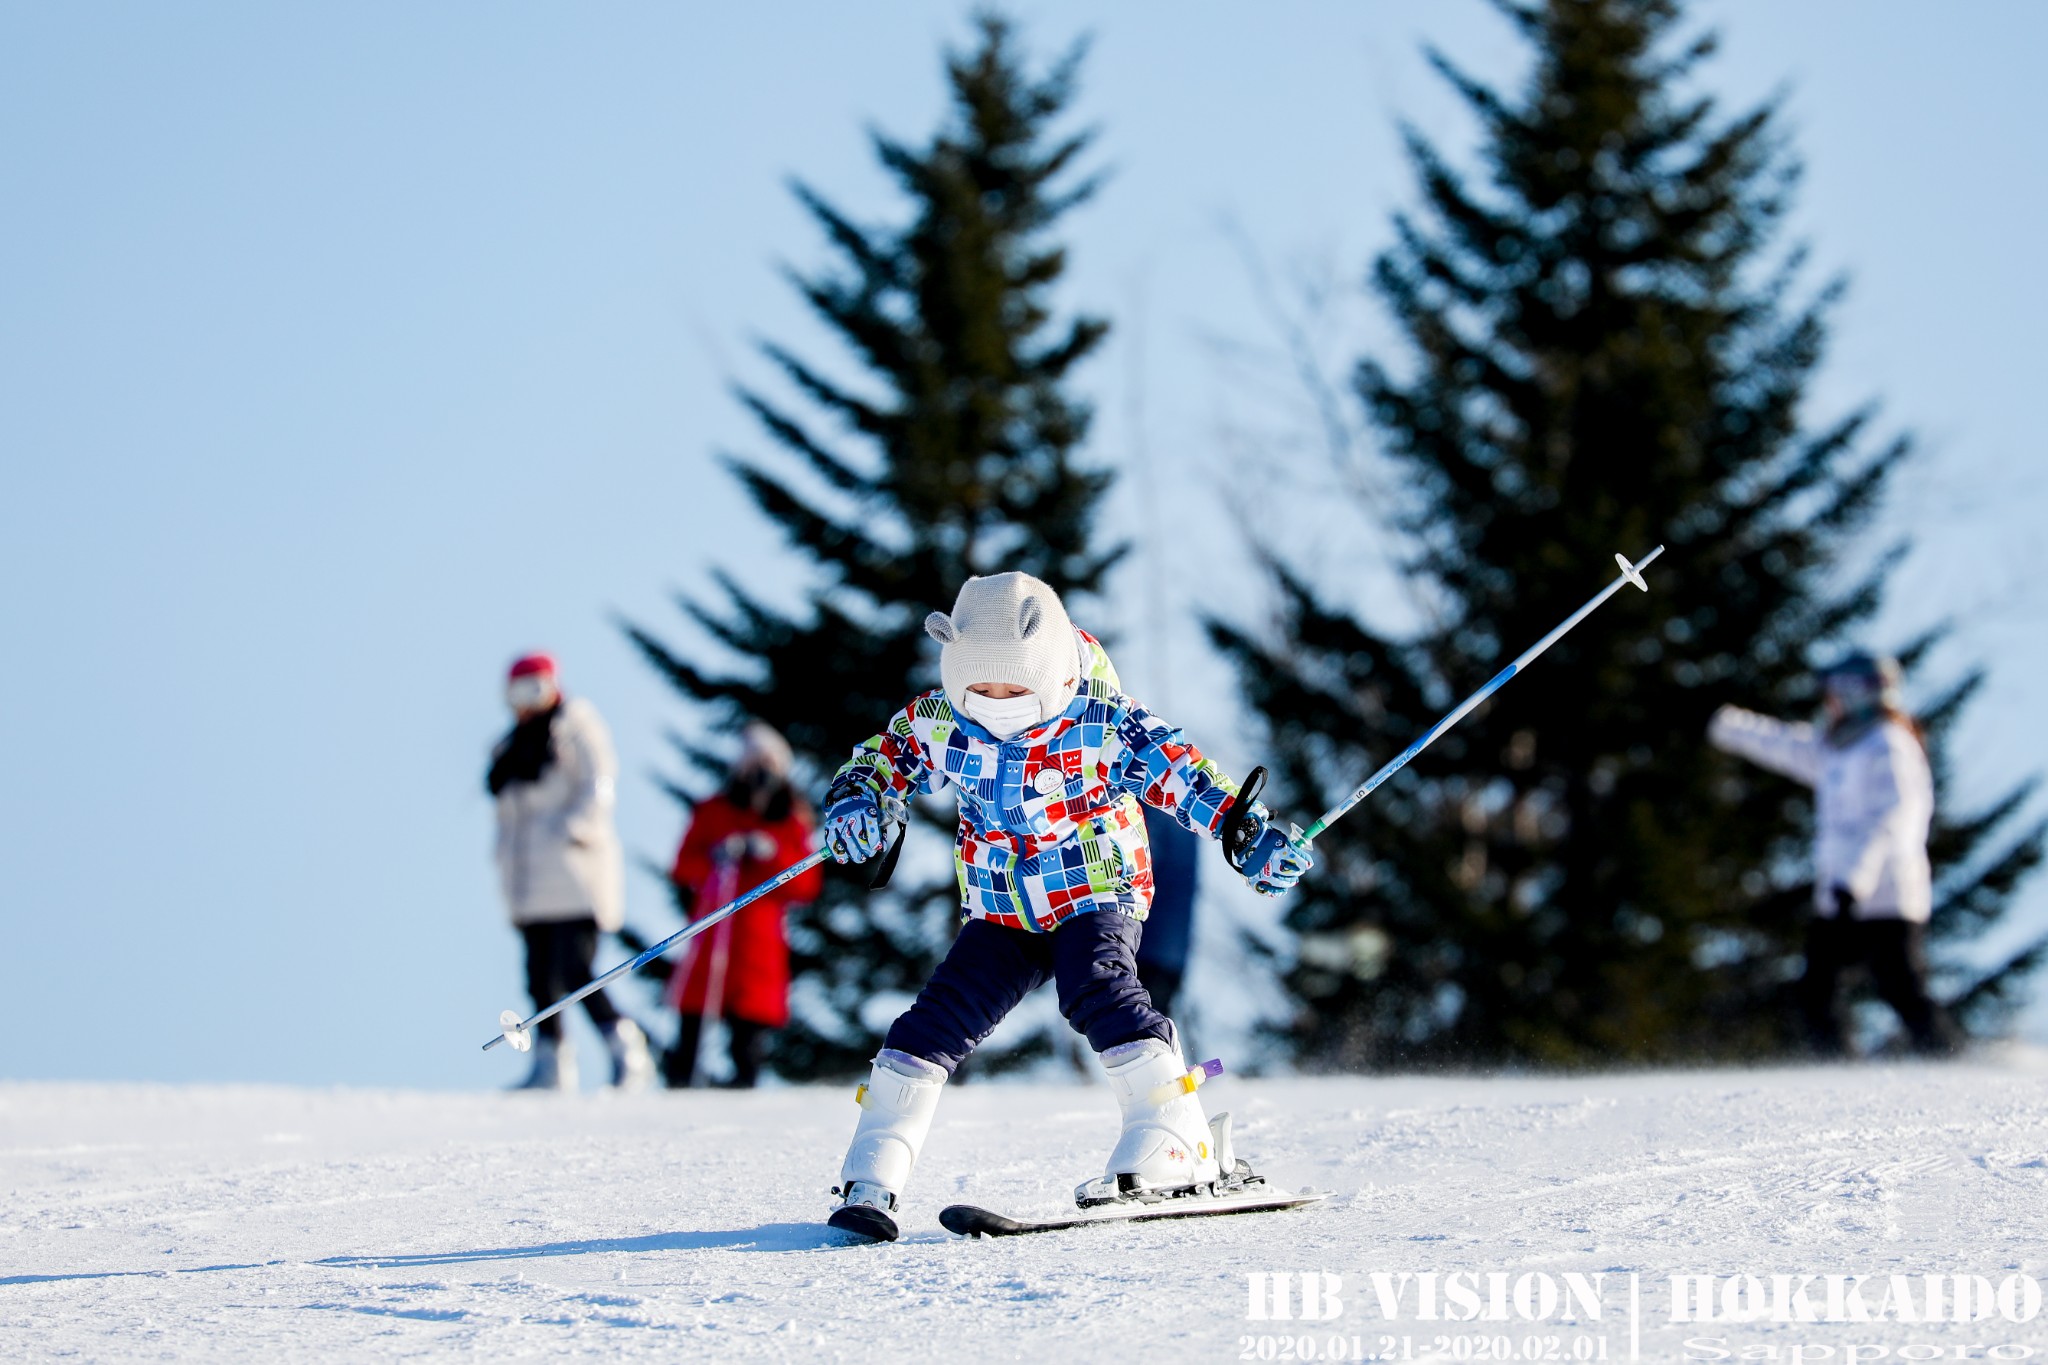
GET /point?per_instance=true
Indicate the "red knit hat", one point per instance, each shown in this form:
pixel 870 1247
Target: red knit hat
pixel 527 664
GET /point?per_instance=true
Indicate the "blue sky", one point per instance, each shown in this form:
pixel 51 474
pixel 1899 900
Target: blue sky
pixel 347 351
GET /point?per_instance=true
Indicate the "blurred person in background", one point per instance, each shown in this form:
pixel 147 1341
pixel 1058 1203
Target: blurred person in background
pixel 1169 933
pixel 1873 887
pixel 553 777
pixel 738 972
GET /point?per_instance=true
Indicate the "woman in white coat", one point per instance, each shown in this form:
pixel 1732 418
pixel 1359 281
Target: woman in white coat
pixel 552 776
pixel 1872 886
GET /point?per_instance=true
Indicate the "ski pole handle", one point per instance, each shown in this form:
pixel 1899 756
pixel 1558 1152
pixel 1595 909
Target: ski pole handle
pixel 683 935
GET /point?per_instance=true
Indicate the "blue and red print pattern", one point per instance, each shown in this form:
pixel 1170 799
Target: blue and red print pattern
pixel 1049 820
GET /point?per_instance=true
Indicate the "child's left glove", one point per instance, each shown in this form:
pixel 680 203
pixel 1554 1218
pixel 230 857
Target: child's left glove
pixel 853 823
pixel 1271 862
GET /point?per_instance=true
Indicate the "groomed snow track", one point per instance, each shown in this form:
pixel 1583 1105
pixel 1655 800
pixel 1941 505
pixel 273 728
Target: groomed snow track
pixel 231 1223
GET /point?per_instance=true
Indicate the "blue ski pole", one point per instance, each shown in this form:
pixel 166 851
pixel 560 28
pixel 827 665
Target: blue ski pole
pixel 1630 573
pixel 513 1029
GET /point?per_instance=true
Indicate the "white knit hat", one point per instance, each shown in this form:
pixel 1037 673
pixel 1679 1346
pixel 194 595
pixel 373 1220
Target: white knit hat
pixel 1008 628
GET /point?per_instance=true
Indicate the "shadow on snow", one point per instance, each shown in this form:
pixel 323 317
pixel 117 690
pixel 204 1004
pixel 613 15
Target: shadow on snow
pixel 125 1274
pixel 767 1237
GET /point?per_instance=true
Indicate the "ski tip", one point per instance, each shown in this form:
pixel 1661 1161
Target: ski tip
pixel 971 1220
pixel 1631 572
pixel 964 1220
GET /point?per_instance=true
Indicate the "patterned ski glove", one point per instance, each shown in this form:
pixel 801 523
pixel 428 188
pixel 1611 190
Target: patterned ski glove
pixel 853 823
pixel 1271 862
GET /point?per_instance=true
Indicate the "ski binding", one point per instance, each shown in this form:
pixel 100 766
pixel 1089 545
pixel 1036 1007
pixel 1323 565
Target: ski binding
pixel 1121 1200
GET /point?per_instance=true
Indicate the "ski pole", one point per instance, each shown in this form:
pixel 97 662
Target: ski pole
pixel 514 1029
pixel 1630 573
pixel 714 976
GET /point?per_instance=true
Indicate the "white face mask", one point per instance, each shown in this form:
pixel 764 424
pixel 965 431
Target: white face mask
pixel 1003 716
pixel 528 692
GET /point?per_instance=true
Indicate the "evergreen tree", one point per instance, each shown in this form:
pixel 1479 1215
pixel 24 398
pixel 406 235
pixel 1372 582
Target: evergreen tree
pixel 959 457
pixel 1604 354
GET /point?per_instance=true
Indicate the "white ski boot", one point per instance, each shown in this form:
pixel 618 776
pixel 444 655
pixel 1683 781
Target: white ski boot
pixel 1168 1148
pixel 896 1107
pixel 554 1066
pixel 632 1064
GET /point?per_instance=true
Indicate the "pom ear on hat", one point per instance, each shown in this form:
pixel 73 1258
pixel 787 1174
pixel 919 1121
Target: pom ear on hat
pixel 1029 617
pixel 940 627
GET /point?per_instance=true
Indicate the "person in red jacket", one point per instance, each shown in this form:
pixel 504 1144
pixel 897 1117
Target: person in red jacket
pixel 738 972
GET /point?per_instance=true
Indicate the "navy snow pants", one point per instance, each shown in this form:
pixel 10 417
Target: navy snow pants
pixel 1090 958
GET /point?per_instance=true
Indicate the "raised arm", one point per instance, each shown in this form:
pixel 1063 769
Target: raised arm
pixel 1791 749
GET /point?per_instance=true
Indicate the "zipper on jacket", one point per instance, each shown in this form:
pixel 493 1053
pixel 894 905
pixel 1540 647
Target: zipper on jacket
pixel 1009 761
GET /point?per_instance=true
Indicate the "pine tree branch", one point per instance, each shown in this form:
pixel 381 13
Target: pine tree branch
pixel 1994 997
pixel 1954 842
pixel 1967 909
pixel 791 436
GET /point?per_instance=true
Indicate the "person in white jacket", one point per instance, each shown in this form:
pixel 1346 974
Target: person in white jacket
pixel 1872 886
pixel 553 776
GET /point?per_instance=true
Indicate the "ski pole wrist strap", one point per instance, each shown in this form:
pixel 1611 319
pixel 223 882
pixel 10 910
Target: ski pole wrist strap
pixel 898 814
pixel 1245 821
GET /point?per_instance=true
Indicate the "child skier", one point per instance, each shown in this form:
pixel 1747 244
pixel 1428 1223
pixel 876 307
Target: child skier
pixel 1050 759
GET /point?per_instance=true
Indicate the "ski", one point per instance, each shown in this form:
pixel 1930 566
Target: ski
pixel 968 1220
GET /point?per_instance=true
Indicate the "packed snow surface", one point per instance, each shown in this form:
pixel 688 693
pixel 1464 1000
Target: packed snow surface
pixel 230 1223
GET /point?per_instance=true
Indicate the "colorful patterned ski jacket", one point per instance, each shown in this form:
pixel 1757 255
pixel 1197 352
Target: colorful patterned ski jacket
pixel 1050 825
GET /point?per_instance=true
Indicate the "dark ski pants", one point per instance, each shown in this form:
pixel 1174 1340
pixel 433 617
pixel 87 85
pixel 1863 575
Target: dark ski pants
pixel 1895 951
pixel 1090 959
pixel 749 1042
pixel 1162 984
pixel 558 957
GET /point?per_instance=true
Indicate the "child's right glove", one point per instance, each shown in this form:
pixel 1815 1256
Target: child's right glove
pixel 853 823
pixel 1270 862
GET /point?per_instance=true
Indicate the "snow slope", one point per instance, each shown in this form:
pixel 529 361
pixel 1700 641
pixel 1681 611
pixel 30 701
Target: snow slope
pixel 224 1223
